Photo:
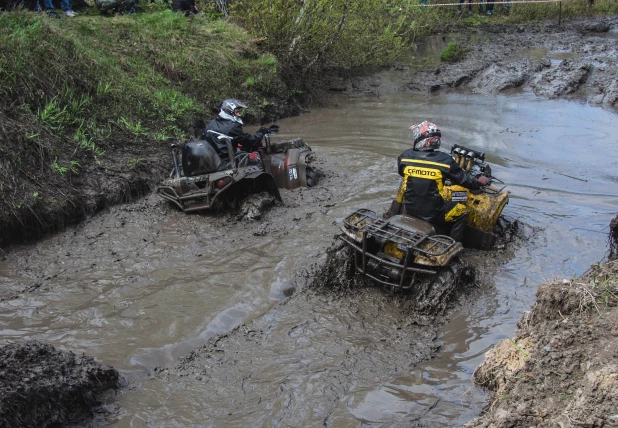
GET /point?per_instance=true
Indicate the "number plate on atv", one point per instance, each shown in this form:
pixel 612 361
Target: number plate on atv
pixel 293 173
pixel 459 196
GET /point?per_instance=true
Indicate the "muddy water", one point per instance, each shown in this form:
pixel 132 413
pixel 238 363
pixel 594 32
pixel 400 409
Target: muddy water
pixel 142 285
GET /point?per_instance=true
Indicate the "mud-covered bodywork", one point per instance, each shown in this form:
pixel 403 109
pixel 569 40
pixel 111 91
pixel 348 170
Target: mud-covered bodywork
pixel 395 251
pixel 289 163
pixel 200 183
pixel 203 191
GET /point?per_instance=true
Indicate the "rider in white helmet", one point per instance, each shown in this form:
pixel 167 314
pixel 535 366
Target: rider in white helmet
pixel 229 122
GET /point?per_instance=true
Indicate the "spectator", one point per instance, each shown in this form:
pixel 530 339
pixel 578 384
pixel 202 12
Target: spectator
pixel 489 7
pixel 116 6
pixel 469 7
pixel 186 6
pixel 49 8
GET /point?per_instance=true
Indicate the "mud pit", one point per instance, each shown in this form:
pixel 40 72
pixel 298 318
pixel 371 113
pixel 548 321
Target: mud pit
pixel 200 298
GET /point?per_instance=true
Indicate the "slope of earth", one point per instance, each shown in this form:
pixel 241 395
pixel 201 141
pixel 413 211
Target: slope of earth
pixel 561 369
pixel 42 386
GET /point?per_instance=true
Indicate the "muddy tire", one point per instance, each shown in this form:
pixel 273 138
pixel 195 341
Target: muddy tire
pixel 434 294
pixel 312 177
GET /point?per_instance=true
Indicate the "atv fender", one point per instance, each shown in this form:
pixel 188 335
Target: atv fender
pixel 260 181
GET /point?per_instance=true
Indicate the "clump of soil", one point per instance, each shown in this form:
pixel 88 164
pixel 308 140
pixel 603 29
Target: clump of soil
pixel 561 369
pixel 42 386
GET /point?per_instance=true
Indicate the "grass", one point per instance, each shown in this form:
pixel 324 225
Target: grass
pixel 71 90
pixel 453 53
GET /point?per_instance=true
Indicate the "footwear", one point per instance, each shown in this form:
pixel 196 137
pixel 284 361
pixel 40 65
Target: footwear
pixel 69 13
pixel 52 14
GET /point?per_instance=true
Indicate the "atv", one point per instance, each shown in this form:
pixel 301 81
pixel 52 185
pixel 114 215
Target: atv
pixel 202 180
pixel 400 251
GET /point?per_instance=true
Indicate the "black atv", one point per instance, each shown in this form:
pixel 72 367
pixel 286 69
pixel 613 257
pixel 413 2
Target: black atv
pixel 400 251
pixel 202 179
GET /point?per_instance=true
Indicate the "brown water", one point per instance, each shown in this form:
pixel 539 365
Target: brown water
pixel 141 285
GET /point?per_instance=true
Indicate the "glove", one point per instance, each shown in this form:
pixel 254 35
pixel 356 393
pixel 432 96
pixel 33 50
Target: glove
pixel 484 181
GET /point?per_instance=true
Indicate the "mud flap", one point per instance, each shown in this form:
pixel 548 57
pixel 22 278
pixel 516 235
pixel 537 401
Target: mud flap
pixel 477 239
pixel 261 181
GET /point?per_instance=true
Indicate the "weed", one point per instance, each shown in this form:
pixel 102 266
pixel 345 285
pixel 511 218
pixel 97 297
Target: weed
pixel 250 81
pixel 74 167
pixel 519 348
pixel 86 143
pixel 453 53
pixel 57 168
pixel 53 116
pixel 135 163
pixel 103 88
pixel 136 128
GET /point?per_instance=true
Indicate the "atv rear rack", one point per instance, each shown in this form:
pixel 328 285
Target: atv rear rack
pixel 387 270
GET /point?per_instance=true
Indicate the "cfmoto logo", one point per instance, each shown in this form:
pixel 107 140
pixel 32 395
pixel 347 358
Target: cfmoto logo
pixel 423 172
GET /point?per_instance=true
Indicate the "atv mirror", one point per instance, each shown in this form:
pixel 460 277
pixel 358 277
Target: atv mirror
pixel 273 129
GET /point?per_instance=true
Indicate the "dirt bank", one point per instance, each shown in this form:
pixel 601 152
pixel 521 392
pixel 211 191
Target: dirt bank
pixel 575 60
pixel 42 386
pixel 561 367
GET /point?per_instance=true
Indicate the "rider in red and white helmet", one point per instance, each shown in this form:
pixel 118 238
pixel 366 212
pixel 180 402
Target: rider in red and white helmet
pixel 424 169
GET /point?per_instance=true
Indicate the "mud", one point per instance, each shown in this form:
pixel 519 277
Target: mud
pixel 338 343
pixel 42 386
pixel 202 298
pixel 561 367
pixel 576 60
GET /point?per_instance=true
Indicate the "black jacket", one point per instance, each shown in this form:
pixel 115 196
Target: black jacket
pixel 424 174
pixel 232 129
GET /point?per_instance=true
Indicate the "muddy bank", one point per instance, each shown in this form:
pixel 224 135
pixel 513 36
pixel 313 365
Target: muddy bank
pixel 42 386
pixel 561 367
pixel 575 60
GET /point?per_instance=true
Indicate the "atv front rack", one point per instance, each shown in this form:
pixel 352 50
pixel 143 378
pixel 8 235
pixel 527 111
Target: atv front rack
pixel 363 229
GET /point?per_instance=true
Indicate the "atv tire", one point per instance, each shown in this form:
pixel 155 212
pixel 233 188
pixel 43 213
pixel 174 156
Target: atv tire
pixel 434 294
pixel 312 177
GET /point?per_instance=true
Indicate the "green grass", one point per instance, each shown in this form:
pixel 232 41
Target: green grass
pixel 453 53
pixel 73 90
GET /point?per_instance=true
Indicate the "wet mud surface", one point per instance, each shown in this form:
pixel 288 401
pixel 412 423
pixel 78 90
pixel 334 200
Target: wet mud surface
pixel 576 60
pixel 42 386
pixel 213 319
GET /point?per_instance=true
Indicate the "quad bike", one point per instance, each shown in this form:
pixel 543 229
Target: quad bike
pixel 204 179
pixel 401 251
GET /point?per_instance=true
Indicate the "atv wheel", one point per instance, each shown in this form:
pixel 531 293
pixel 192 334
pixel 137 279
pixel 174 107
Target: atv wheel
pixel 312 177
pixel 435 293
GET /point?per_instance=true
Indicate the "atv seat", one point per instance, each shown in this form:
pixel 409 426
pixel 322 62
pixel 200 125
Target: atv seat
pixel 199 157
pixel 408 222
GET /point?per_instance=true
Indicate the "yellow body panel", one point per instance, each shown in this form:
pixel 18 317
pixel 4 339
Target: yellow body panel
pixel 392 249
pixel 484 208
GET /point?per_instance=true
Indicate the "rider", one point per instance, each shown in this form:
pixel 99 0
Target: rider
pixel 229 123
pixel 424 169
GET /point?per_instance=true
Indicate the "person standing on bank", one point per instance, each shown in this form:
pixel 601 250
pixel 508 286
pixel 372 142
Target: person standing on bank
pixel 424 170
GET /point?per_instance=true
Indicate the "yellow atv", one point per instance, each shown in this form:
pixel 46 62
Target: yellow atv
pixel 401 251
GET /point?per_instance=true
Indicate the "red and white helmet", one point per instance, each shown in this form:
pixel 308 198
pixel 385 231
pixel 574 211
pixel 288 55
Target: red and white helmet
pixel 426 136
